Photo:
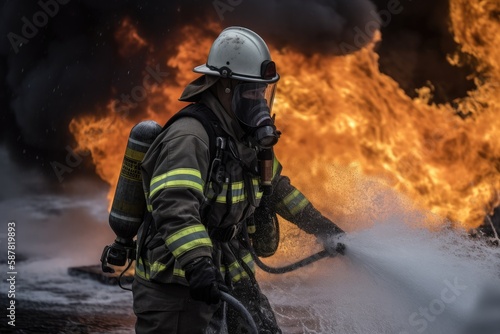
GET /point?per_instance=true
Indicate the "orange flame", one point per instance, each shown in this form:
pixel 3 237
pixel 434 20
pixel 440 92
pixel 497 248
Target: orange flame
pixel 342 113
pixel 132 41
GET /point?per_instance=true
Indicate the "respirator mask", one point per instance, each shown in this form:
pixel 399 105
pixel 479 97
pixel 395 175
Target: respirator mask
pixel 252 103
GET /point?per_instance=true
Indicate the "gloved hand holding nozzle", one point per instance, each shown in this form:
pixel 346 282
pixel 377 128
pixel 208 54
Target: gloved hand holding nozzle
pixel 330 235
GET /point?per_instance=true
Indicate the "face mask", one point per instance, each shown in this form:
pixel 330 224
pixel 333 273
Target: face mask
pixel 252 103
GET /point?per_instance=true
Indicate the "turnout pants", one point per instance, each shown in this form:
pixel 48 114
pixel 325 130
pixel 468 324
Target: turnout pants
pixel 168 308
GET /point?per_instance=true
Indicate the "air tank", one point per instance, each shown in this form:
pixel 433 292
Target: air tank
pixel 129 204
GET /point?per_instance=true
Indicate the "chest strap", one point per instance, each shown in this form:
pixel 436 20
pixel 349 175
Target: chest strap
pixel 225 234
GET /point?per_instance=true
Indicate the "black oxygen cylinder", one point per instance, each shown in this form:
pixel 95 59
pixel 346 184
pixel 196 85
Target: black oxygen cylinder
pixel 129 203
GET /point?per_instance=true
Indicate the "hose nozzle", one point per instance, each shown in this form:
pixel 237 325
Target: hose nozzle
pixel 340 248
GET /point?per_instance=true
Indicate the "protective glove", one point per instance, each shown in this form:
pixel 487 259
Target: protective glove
pixel 204 280
pixel 329 236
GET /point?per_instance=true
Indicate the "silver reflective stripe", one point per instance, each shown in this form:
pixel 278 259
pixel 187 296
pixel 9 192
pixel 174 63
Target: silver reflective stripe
pixel 133 141
pixel 130 219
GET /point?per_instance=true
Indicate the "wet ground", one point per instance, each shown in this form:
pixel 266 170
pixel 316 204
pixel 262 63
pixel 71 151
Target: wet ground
pixel 35 319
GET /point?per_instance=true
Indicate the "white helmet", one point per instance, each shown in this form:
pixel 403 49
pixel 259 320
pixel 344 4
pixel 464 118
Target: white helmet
pixel 239 53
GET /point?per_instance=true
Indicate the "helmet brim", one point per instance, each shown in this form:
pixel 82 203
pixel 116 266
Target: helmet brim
pixel 204 69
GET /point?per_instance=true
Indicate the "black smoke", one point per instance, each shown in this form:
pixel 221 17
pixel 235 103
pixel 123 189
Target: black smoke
pixel 60 59
pixel 416 41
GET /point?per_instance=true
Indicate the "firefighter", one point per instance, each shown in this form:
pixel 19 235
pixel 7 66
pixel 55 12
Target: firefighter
pixel 196 245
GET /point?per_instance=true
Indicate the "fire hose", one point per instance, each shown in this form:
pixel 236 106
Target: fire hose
pixel 233 302
pixel 330 252
pixel 238 306
pixel 339 249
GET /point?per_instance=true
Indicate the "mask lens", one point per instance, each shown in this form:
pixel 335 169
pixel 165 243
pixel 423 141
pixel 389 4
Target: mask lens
pixel 252 103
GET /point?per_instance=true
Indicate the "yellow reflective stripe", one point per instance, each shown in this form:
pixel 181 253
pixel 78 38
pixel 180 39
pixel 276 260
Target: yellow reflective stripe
pixel 295 202
pixel 187 239
pixel 191 245
pixel 248 259
pixel 135 155
pixel 179 184
pixel 236 271
pixel 157 267
pixel 301 205
pixel 256 187
pixel 184 232
pixel 149 207
pixel 141 270
pixel 276 166
pixel 178 171
pixel 238 192
pixel 179 272
pixel 233 266
pixel 177 178
pixel 221 198
pixel 290 196
pixel 239 276
pixel 145 269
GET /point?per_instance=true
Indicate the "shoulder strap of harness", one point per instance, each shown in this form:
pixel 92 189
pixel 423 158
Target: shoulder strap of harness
pixel 207 118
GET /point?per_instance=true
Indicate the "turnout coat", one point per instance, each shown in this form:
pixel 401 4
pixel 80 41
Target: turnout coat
pixel 177 188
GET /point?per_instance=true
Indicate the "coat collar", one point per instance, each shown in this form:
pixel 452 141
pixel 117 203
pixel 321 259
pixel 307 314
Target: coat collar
pixel 228 122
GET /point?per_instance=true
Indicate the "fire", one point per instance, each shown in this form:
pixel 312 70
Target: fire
pixel 342 115
pixel 133 42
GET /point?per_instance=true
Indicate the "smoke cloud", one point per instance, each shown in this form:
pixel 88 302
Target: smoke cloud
pixel 59 58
